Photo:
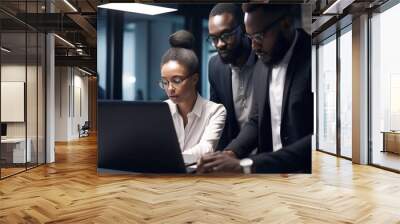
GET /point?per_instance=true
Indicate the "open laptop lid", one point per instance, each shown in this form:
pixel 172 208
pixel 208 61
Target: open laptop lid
pixel 137 137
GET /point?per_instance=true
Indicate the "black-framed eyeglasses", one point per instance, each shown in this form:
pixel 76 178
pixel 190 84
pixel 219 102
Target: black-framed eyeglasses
pixel 224 37
pixel 259 36
pixel 175 82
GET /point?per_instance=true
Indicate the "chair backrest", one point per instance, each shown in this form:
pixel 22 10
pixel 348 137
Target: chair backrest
pixel 86 125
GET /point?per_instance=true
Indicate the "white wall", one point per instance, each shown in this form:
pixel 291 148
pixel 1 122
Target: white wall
pixel 62 81
pixel 71 102
pixel 33 126
pixel 80 110
pixel 17 72
pixel 10 73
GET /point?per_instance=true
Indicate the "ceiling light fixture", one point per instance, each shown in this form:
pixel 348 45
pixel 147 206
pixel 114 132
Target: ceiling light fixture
pixel 337 7
pixel 138 8
pixel 70 5
pixel 65 41
pixel 5 50
pixel 84 71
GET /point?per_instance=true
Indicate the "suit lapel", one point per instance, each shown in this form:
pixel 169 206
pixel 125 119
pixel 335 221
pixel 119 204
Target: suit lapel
pixel 290 73
pixel 228 78
pixel 265 76
pixel 288 82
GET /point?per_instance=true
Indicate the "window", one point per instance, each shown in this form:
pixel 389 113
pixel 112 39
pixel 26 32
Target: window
pixel 385 85
pixel 208 51
pixel 346 92
pixel 128 65
pixel 327 95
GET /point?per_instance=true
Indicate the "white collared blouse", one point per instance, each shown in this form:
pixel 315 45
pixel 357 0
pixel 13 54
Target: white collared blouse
pixel 204 128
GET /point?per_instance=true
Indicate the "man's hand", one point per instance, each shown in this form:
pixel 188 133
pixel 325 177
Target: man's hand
pixel 230 153
pixel 219 162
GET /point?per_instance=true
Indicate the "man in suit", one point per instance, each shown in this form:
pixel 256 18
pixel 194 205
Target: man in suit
pixel 231 71
pixel 281 119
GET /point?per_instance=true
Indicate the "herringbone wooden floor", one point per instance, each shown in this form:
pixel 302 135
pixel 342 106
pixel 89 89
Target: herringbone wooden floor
pixel 70 191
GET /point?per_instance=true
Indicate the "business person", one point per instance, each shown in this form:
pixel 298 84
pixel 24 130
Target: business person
pixel 198 122
pixel 281 119
pixel 231 71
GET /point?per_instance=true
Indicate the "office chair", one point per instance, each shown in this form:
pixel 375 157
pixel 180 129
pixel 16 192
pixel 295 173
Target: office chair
pixel 84 130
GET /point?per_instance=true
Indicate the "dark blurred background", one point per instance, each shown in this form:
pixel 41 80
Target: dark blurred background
pixel 130 47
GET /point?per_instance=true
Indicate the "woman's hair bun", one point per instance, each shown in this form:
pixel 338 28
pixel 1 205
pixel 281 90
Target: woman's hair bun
pixel 182 39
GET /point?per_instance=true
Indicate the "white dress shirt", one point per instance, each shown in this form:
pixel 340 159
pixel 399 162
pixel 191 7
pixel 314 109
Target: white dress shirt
pixel 276 86
pixel 204 128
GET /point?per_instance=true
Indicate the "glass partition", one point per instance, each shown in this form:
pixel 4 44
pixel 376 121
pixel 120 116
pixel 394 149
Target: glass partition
pixel 31 97
pixel 22 77
pixel 13 106
pixel 41 96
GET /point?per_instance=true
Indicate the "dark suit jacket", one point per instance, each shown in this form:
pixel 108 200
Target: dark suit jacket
pixel 296 121
pixel 220 78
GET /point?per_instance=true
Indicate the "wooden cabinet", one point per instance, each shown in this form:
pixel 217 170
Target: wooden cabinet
pixel 391 142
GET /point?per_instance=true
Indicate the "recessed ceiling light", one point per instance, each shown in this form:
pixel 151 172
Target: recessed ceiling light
pixel 337 7
pixel 137 8
pixel 5 50
pixel 84 71
pixel 65 41
pixel 70 5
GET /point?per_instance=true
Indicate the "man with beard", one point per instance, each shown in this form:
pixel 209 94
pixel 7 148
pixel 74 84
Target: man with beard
pixel 281 120
pixel 231 71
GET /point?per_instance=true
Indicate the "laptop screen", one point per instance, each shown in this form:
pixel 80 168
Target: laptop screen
pixel 138 137
pixel 3 129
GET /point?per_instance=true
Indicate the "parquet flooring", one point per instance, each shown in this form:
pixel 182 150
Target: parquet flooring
pixel 10 171
pixel 70 191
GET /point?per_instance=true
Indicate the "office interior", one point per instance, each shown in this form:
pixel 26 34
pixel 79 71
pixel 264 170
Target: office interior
pixel 51 77
pixel 357 80
pixel 38 107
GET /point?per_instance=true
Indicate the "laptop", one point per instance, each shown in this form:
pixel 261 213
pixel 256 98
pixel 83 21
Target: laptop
pixel 138 137
pixel 3 131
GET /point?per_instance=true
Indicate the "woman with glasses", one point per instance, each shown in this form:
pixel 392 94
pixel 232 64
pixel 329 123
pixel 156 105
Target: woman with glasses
pixel 198 122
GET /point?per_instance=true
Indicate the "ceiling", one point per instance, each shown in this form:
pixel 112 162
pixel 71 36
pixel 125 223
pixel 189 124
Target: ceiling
pixel 76 22
pixel 72 20
pixel 332 15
